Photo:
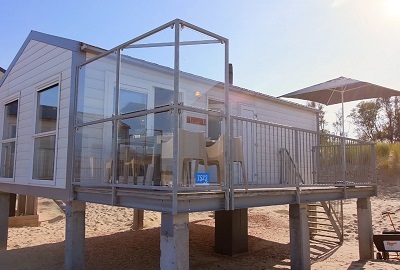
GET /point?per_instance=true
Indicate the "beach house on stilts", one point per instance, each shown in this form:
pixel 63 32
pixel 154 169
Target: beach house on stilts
pixel 156 124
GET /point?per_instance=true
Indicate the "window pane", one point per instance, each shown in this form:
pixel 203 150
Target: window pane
pixel 47 109
pixel 94 153
pixel 43 161
pixel 10 120
pixel 163 97
pixel 130 101
pixel 7 160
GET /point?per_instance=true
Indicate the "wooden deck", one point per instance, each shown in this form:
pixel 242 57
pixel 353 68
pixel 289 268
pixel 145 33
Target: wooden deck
pixel 213 200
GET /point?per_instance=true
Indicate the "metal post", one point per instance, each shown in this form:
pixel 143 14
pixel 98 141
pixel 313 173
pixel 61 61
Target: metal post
pixel 229 134
pixel 175 123
pixel 115 129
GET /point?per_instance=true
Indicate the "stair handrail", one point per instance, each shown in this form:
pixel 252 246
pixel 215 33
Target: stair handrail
pixel 293 163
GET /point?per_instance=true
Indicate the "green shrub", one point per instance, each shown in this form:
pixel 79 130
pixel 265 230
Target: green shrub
pixel 388 157
pixel 382 150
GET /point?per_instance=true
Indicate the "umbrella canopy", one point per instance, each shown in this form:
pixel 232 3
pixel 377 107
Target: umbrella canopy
pixel 341 90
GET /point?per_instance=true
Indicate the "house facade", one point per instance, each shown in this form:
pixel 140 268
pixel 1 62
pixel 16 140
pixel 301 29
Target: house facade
pixel 83 124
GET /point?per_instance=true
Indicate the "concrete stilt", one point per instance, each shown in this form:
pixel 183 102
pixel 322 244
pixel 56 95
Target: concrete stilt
pixel 138 216
pixel 13 199
pixel 299 237
pixel 365 234
pixel 231 232
pixel 75 235
pixel 174 241
pixel 4 212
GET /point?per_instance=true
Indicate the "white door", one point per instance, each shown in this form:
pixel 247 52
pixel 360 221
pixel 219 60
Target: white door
pixel 249 143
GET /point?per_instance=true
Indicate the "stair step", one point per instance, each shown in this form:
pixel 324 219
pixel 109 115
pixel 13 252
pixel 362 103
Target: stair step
pixel 316 211
pixel 322 230
pixel 321 218
pixel 314 204
pixel 324 235
pixel 319 223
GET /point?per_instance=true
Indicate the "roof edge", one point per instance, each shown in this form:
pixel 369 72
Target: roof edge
pixel 97 50
pixel 61 42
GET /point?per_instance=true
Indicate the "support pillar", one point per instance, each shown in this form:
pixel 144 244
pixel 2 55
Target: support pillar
pixel 299 237
pixel 13 200
pixel 138 216
pixel 365 233
pixel 174 241
pixel 75 235
pixel 4 212
pixel 231 232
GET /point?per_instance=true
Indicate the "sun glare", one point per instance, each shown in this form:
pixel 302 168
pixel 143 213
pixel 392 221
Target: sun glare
pixel 393 8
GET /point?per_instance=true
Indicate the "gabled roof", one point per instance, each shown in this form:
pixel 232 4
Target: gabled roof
pixel 65 43
pixel 77 46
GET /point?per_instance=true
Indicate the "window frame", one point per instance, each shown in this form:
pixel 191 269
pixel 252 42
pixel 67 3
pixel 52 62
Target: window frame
pixel 6 101
pixel 55 80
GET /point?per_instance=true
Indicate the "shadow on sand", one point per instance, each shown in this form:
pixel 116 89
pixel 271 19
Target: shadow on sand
pixel 140 250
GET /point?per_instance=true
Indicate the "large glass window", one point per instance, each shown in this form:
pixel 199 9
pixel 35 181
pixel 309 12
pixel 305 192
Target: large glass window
pixel 215 123
pixel 9 139
pixel 45 137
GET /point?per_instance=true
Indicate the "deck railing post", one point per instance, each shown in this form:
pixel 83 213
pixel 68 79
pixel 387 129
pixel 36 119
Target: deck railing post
pixel 296 156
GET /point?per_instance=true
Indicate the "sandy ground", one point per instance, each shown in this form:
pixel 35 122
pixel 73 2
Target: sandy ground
pixel 111 244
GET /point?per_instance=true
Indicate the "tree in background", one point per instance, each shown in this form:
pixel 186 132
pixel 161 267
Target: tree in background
pixel 366 118
pixel 321 117
pixel 337 125
pixel 391 119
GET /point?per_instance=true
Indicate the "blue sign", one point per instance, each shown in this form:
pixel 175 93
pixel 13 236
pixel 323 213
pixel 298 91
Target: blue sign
pixel 202 178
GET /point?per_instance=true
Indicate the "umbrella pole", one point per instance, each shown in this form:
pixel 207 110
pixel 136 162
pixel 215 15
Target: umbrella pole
pixel 343 143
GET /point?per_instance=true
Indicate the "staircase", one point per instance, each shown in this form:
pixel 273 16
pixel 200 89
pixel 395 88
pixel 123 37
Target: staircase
pixel 325 220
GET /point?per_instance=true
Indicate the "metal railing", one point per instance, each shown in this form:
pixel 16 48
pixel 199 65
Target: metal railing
pixel 289 172
pixel 277 155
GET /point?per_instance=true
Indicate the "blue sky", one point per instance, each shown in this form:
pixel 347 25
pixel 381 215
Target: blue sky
pixel 276 46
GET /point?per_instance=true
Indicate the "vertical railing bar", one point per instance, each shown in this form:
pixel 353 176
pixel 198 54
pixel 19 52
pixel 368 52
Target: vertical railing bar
pixel 269 154
pixel 256 157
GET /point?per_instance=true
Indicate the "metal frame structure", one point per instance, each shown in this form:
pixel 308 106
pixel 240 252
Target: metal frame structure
pixel 177 199
pixel 176 107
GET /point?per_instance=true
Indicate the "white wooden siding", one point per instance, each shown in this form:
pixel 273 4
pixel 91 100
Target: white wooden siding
pixel 38 63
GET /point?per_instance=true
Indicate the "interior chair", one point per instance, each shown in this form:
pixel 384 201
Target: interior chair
pixel 216 156
pixel 192 148
pixel 238 156
pixel 167 156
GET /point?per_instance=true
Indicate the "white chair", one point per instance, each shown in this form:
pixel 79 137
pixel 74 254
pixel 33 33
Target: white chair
pixel 192 147
pixel 216 156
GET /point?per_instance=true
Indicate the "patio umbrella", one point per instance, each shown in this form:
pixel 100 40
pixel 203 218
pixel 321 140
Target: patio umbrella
pixel 341 90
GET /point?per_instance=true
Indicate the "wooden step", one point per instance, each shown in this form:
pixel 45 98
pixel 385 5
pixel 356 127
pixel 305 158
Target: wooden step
pixel 323 230
pixel 316 211
pixel 321 218
pixel 319 223
pixel 325 235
